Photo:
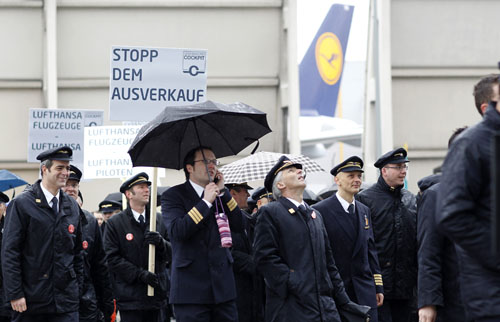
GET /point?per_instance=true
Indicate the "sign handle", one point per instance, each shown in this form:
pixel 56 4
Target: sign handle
pixel 152 227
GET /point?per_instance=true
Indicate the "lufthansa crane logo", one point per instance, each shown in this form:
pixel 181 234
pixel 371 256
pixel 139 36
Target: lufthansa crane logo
pixel 329 57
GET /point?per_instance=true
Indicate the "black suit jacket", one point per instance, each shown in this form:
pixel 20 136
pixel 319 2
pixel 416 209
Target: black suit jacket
pixel 201 269
pixel 354 251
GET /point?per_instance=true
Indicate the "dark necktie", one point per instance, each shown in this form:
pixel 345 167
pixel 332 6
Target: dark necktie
pixel 353 217
pixel 141 222
pixel 350 209
pixel 54 204
pixel 303 210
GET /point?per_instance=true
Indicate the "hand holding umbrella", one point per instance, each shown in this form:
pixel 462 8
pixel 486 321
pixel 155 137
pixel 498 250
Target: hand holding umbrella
pixel 166 140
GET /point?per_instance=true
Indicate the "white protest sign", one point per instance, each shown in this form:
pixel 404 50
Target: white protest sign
pixel 143 81
pixel 51 128
pixel 106 152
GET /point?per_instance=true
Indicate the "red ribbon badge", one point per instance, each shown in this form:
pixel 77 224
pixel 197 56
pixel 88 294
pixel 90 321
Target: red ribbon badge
pixel 85 244
pixel 71 229
pixel 129 236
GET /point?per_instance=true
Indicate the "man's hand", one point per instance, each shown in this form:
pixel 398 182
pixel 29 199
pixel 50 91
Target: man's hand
pixel 380 299
pixel 427 313
pixel 19 305
pixel 219 177
pixel 211 191
pixel 149 278
pixel 153 238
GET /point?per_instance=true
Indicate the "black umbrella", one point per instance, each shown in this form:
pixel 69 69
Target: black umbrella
pixel 225 128
pixel 167 139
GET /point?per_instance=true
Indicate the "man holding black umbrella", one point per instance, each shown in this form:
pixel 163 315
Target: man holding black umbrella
pixel 200 215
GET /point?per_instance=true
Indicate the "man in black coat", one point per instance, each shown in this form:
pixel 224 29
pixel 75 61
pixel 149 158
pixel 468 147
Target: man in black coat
pixel 439 295
pixel 126 242
pixel 108 208
pixel 262 197
pixel 5 312
pixel 393 212
pixel 41 251
pixel 249 301
pixel 465 214
pixel 202 280
pixel 292 251
pixel 96 301
pixel 348 224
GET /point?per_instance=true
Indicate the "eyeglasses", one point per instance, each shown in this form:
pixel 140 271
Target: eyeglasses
pixel 399 167
pixel 207 162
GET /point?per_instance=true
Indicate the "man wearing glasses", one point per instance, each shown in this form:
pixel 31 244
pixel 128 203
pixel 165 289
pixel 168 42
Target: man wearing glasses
pixel 200 216
pixel 393 211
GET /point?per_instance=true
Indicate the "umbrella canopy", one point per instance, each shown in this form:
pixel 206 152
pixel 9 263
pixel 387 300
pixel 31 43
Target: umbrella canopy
pixel 9 180
pixel 309 197
pixel 256 166
pixel 226 129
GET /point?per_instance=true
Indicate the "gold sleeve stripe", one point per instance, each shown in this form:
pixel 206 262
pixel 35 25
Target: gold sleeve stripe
pixel 197 212
pixel 231 204
pixel 378 279
pixel 195 215
pixel 196 221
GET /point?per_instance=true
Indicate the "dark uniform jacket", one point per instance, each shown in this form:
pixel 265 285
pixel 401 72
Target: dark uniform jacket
pixel 438 282
pixel 41 252
pixel 249 283
pixel 127 256
pixel 393 212
pixel 465 216
pixel 201 270
pixel 353 249
pixel 97 290
pixel 5 307
pixel 293 253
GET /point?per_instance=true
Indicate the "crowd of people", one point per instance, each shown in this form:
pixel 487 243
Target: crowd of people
pixel 223 255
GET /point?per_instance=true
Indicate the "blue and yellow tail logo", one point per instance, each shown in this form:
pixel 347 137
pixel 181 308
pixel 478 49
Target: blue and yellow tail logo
pixel 320 72
pixel 329 57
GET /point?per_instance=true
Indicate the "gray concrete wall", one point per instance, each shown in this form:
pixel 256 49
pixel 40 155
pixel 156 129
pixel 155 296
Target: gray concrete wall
pixel 440 49
pixel 244 41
